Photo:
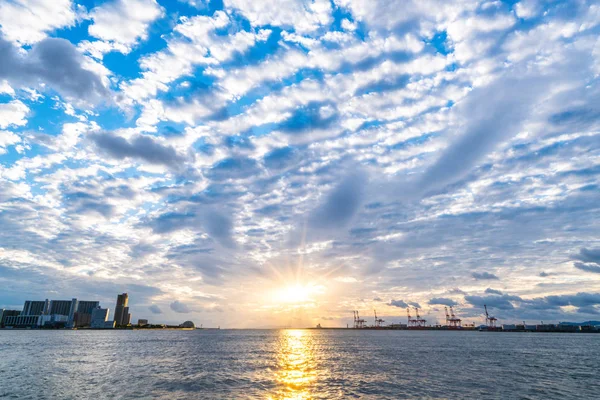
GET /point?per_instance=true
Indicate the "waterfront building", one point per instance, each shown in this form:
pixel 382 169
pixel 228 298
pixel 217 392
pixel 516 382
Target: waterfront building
pixel 60 307
pixel 142 322
pixel 86 307
pixel 53 321
pixel 6 314
pixel 33 307
pixel 122 316
pixel 188 324
pixel 100 318
pixel 22 321
pixel 83 315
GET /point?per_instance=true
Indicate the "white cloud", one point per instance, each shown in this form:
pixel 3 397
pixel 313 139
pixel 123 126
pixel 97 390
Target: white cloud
pixel 201 46
pixel 122 23
pixel 13 113
pixel 29 21
pixel 527 8
pixel 8 138
pixel 304 16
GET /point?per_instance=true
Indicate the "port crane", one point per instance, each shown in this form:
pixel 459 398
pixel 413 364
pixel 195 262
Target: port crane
pixel 490 321
pixel 378 321
pixel 358 322
pixel 455 322
pixel 411 322
pixel 420 321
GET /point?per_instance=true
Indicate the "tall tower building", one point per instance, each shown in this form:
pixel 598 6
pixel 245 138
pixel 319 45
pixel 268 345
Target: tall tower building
pixel 72 311
pixel 122 316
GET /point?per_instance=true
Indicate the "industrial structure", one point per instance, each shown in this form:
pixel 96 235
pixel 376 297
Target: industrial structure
pixel 378 321
pixel 420 322
pixel 411 322
pixel 490 321
pixel 358 322
pixel 451 320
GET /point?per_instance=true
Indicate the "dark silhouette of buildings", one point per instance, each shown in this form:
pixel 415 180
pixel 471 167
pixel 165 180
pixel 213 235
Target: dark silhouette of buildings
pixel 122 316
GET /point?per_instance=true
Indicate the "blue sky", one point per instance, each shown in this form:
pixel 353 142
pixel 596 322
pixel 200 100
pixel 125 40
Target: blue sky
pixel 251 164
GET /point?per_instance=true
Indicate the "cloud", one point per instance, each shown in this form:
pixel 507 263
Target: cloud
pixel 217 224
pixel 588 255
pixel 483 275
pixel 493 113
pixel 309 117
pixel 123 22
pixel 303 16
pixel 13 113
pixel 8 139
pixel 503 302
pixel 179 307
pixel 154 309
pixel 341 204
pixel 140 147
pixel 29 21
pixel 233 168
pixel 443 301
pixel 281 158
pixel 493 291
pixel 398 303
pixel 595 268
pixel 54 62
pixel 219 227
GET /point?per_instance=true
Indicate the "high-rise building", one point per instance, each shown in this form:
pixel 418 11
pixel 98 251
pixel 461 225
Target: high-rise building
pixel 83 315
pixel 60 307
pixel 100 319
pixel 33 307
pixel 86 307
pixel 6 314
pixel 122 316
pixel 72 312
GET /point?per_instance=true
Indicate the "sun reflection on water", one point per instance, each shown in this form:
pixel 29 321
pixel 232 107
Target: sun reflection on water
pixel 296 360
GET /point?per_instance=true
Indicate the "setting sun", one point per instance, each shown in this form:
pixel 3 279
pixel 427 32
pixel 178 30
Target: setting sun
pixel 298 294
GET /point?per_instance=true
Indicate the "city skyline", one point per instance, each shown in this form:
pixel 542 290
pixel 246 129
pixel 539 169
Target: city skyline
pixel 246 164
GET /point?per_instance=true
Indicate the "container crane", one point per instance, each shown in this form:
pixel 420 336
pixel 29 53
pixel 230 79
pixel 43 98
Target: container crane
pixel 454 321
pixel 420 321
pixel 411 322
pixel 490 321
pixel 358 322
pixel 378 321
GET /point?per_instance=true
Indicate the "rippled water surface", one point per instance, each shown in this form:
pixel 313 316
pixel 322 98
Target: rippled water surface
pixel 297 364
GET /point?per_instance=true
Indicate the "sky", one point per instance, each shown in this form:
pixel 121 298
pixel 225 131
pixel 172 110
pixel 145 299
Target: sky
pixel 241 163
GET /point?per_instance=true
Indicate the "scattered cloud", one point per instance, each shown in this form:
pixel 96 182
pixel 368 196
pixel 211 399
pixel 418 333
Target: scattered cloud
pixel 154 309
pixel 53 62
pixel 141 148
pixel 180 307
pixel 122 23
pixel 229 147
pixel 398 303
pixel 483 276
pixel 442 301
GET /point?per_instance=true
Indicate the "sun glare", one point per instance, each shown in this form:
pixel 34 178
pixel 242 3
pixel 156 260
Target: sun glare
pixel 296 294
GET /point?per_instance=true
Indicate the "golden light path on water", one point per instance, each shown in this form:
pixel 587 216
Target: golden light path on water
pixel 297 365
